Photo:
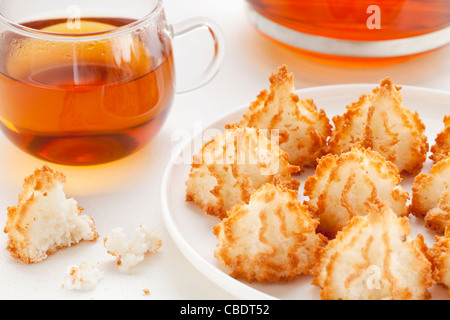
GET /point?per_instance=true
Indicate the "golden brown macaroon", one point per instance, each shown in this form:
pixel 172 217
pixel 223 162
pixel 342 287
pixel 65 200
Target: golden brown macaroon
pixel 440 150
pixel 232 165
pixel 295 124
pixel 431 196
pixel 343 183
pixel 271 239
pixel 440 254
pixel 381 122
pixel 44 220
pixel 374 258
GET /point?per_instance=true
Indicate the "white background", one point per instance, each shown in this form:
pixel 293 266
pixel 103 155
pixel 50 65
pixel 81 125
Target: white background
pixel 127 193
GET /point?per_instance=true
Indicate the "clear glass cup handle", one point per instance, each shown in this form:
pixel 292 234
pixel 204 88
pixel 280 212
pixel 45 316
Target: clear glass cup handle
pixel 188 26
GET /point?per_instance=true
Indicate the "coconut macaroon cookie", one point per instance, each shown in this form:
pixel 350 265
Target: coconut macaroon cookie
pixel 44 220
pixel 342 184
pixel 374 258
pixel 232 165
pixel 440 254
pixel 271 239
pixel 440 150
pixel 381 122
pixel 302 129
pixel 431 196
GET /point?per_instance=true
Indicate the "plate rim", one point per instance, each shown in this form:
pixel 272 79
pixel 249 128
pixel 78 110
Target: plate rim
pixel 205 267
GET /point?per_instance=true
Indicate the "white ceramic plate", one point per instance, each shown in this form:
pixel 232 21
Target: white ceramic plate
pixel 191 229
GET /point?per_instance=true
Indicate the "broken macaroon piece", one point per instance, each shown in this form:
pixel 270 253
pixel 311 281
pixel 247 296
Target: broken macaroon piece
pixel 131 251
pixel 83 277
pixel 44 220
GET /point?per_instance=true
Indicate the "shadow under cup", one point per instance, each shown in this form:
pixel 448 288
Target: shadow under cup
pixel 84 84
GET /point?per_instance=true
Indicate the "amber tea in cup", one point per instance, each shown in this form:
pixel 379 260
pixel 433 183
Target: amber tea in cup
pixel 86 89
pixel 355 28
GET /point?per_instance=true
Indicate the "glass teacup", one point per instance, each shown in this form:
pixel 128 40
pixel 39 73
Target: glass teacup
pixel 89 82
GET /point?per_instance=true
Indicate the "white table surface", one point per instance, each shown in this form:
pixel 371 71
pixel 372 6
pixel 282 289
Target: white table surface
pixel 126 193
